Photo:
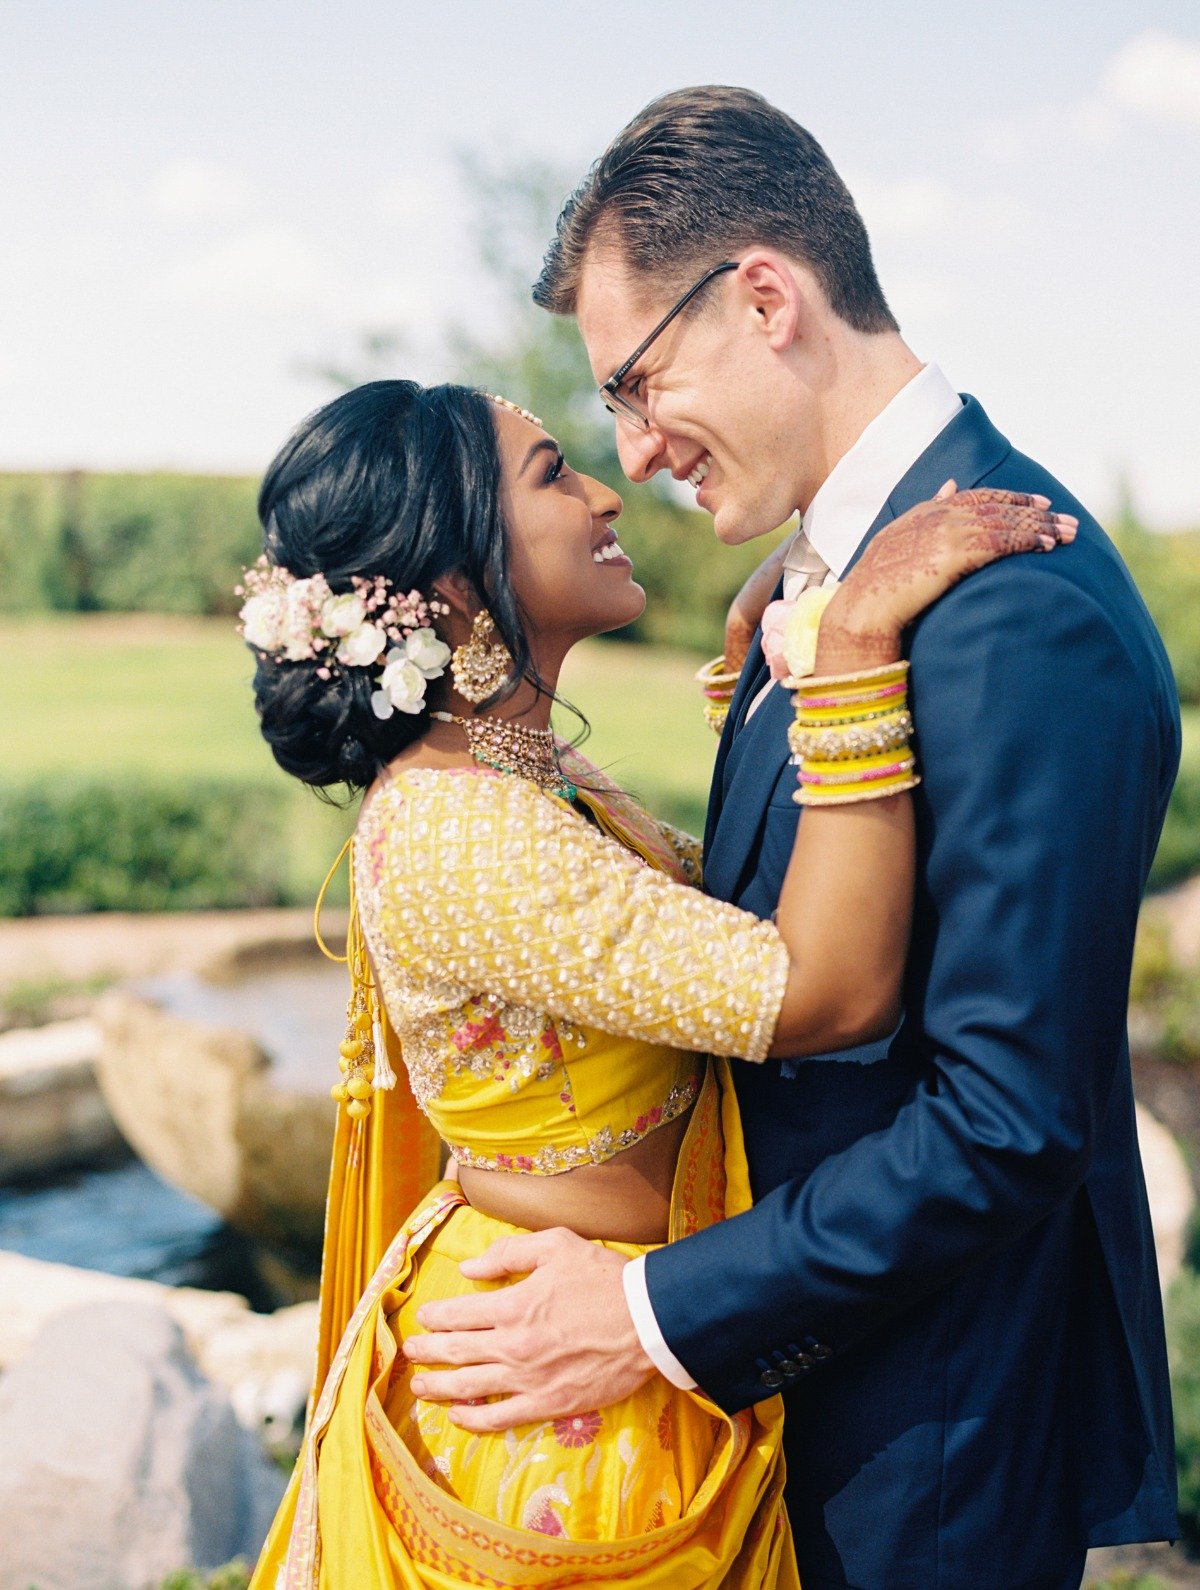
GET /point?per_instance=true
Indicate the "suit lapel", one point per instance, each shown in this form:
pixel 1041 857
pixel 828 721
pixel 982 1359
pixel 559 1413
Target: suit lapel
pixel 968 449
pixel 753 676
pixel 753 755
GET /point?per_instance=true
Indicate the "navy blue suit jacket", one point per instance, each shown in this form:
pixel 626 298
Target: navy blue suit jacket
pixel 949 1268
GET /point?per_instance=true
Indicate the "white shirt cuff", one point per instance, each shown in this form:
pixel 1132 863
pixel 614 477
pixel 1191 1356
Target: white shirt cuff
pixel 637 1297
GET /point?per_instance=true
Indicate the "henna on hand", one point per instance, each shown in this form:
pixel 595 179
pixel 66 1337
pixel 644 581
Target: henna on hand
pixel 928 550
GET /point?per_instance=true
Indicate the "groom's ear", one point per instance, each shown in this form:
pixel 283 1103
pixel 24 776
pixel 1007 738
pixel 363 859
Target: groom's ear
pixel 774 295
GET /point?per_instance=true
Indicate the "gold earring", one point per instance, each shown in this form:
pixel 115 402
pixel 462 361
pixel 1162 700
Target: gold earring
pixel 482 665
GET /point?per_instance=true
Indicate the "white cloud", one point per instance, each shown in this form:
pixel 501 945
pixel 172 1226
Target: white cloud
pixel 1155 74
pixel 267 269
pixel 200 190
pixel 1159 73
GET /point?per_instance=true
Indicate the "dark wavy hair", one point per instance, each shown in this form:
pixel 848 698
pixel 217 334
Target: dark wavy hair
pixel 396 479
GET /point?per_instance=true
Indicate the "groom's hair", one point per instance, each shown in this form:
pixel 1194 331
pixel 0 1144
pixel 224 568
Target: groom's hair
pixel 700 175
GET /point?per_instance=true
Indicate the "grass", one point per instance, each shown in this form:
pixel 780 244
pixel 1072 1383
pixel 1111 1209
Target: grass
pixel 1191 739
pixel 647 730
pixel 143 693
pixel 170 696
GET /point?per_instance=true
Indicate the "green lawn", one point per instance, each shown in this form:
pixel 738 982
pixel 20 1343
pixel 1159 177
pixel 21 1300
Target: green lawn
pixel 1191 738
pixel 171 696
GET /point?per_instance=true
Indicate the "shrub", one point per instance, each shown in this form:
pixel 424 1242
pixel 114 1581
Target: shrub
pixel 1179 848
pixel 1167 571
pixel 234 1575
pixel 1183 1342
pixel 137 845
pixel 165 543
pixel 156 542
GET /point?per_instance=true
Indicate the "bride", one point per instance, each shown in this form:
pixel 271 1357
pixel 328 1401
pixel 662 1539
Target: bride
pixel 537 975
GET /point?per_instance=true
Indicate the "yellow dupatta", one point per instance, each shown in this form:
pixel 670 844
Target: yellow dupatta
pixel 384 1163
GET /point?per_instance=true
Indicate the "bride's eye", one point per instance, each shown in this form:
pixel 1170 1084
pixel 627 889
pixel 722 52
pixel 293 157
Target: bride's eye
pixel 556 468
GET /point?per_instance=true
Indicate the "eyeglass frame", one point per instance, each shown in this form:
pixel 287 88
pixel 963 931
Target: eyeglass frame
pixel 621 408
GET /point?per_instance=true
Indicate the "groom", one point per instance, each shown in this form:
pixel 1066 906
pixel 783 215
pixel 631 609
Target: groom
pixel 949 1271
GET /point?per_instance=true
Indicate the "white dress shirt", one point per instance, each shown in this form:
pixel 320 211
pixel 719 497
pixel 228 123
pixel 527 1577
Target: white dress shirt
pixel 843 510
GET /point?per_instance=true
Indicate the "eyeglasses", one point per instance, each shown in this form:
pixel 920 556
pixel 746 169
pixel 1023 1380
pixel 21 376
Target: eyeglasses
pixel 610 393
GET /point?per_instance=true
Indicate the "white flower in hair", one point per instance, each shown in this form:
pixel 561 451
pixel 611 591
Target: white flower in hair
pixel 401 687
pixel 361 646
pixel 263 619
pixel 297 637
pixel 341 614
pixel 426 652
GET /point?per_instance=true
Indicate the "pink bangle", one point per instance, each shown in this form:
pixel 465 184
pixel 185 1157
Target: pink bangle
pixel 869 776
pixel 807 702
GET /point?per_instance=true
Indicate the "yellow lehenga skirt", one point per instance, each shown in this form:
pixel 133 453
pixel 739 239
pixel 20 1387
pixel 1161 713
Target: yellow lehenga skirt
pixel 662 1491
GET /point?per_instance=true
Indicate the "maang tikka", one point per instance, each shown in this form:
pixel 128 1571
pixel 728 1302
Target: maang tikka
pixel 483 663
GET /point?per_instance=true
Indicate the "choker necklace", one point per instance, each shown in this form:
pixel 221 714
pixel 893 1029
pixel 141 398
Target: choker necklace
pixel 508 747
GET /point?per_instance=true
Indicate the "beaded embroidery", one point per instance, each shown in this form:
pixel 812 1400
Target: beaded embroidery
pixel 550 1161
pixel 503 927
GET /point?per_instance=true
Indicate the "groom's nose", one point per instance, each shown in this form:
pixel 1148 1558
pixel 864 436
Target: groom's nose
pixel 642 453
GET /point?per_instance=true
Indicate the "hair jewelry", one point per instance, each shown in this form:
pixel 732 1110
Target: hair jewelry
pixel 300 620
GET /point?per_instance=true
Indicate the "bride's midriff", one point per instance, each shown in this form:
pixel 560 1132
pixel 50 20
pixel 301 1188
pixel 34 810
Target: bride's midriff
pixel 626 1199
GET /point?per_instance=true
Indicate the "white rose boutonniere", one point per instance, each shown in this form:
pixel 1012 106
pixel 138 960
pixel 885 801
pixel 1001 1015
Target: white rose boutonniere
pixel 789 631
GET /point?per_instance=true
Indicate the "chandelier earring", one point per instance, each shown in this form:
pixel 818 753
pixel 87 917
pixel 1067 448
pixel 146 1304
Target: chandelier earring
pixel 483 663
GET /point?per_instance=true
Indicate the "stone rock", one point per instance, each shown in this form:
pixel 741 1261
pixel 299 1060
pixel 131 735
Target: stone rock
pixel 204 1109
pixel 52 1113
pixel 264 1362
pixel 1169 1189
pixel 1179 910
pixel 119 1462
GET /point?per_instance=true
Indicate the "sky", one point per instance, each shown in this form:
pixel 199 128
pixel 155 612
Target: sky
pixel 203 201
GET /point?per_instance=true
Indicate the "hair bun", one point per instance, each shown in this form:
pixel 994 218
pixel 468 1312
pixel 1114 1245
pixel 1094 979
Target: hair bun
pixel 391 481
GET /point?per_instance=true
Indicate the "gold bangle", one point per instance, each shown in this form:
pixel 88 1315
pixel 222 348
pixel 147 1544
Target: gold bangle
pixel 804 797
pixel 828 744
pixel 718 684
pixel 878 676
pixel 715 713
pixel 716 679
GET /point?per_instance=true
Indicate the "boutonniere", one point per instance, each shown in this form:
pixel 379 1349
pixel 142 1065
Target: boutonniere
pixel 789 633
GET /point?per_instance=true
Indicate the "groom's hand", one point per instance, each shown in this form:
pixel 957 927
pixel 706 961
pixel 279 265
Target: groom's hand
pixel 557 1343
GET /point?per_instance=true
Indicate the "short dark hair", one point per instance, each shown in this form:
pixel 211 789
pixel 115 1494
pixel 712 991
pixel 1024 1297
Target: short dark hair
pixel 396 479
pixel 700 175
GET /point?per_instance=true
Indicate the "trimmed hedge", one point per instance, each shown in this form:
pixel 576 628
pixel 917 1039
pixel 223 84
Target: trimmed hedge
pixel 159 543
pixel 1178 854
pixel 167 543
pixel 137 845
pixel 164 543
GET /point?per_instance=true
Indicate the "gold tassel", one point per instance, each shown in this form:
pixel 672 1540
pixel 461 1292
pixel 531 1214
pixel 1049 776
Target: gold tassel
pixel 385 1154
pixel 383 1077
pixel 363 1059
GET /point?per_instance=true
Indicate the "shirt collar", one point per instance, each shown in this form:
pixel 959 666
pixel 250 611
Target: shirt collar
pixel 859 484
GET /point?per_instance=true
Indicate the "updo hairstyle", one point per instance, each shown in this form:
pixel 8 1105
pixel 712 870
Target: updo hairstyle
pixel 395 479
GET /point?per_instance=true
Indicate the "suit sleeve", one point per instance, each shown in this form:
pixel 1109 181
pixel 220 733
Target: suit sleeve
pixel 1043 753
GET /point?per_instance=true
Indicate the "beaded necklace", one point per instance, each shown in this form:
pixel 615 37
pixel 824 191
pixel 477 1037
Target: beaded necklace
pixel 513 748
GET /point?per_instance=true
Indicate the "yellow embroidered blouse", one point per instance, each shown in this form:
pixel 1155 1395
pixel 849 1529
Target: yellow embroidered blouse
pixel 551 990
